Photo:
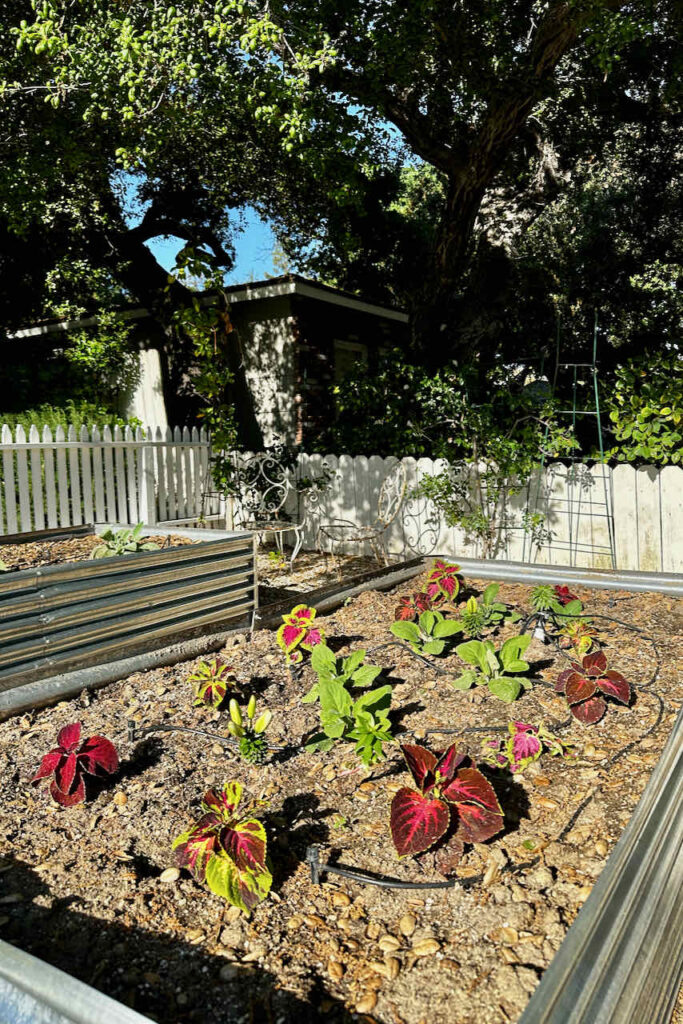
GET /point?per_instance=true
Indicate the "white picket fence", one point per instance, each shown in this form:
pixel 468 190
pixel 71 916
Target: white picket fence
pixel 163 476
pixel 123 476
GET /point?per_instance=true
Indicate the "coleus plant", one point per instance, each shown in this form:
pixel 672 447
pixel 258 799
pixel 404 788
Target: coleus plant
pixel 249 730
pixel 211 680
pixel 429 634
pixel 474 618
pixel 411 606
pixel 453 801
pixel 579 635
pixel 227 850
pixel 586 685
pixel 524 744
pixel 443 582
pixel 71 760
pixel 492 668
pixel 298 634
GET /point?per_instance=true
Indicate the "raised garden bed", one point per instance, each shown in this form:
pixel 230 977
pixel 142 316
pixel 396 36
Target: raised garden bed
pixel 58 616
pixel 86 885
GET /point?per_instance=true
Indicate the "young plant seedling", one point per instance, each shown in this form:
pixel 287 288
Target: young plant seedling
pixel 429 634
pixel 365 720
pixel 122 542
pixel 523 745
pixel 298 634
pixel 226 851
pixel 492 668
pixel 211 681
pixel 586 685
pixel 453 800
pixel 277 559
pixel 555 602
pixel 70 761
pixel 253 744
pixel 475 618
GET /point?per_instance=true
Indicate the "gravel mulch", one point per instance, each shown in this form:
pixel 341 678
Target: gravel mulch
pixel 87 888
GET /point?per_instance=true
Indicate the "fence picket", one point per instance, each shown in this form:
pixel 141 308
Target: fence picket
pixel 50 489
pixel 132 488
pixel 23 482
pixel 8 474
pixel 86 477
pixel 74 478
pixel 171 479
pixel 36 479
pixel 62 477
pixel 120 477
pixel 162 505
pixel 189 484
pixel 109 482
pixel 98 476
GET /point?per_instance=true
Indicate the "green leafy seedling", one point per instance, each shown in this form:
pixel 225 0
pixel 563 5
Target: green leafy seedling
pixel 429 634
pixel 494 668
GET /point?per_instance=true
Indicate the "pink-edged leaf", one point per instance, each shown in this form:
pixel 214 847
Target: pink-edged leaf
pixel 595 664
pixel 477 824
pixel 417 822
pixel 66 772
pixel 245 842
pixel 49 764
pixel 449 761
pixel 525 727
pixel 590 712
pixel 470 786
pixel 525 745
pixel 97 755
pixel 614 684
pixel 578 688
pixel 76 796
pixel 69 737
pixel 421 764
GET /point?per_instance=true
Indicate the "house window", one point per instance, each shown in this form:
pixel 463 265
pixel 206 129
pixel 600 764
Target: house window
pixel 348 355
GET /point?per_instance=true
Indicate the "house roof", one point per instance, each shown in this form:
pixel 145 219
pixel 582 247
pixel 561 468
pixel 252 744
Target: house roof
pixel 274 287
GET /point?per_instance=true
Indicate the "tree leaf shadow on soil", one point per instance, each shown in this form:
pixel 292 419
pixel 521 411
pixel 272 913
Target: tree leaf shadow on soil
pixel 159 975
pixel 512 797
pixel 335 643
pixel 297 825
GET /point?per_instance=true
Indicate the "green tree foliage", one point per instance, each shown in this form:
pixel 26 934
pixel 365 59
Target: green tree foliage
pixel 646 410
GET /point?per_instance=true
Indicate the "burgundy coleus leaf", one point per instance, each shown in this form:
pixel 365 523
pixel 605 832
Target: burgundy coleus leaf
pixel 197 845
pixel 245 843
pixel 417 821
pixel 590 711
pixel 614 685
pixel 595 664
pixel 421 764
pixel 578 688
pixel 564 595
pixel 470 786
pixel 443 581
pixel 68 762
pixel 448 761
pixel 477 824
pixel 406 610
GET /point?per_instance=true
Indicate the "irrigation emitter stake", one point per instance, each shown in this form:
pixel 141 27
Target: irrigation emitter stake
pixel 319 868
pixel 134 734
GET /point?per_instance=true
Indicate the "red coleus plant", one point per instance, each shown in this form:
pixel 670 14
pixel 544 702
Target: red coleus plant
pixel 71 760
pixel 564 595
pixel 443 582
pixel 412 606
pixel 586 685
pixel 297 633
pixel 451 795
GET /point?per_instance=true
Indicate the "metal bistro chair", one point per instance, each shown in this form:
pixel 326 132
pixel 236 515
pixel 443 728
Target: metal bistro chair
pixel 264 486
pixel 343 531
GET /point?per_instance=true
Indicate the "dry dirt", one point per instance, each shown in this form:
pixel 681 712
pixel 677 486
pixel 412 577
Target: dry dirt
pixel 82 887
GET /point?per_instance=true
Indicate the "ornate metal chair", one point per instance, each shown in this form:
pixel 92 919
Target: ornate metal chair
pixel 343 531
pixel 264 486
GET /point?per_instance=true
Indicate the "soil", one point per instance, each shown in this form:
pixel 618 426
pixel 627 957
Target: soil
pixel 84 888
pixel 73 549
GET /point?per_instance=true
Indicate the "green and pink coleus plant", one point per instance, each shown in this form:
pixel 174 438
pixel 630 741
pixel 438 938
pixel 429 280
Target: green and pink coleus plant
pixel 411 606
pixel 523 745
pixel 71 760
pixel 453 802
pixel 586 685
pixel 227 850
pixel 298 634
pixel 211 680
pixel 443 582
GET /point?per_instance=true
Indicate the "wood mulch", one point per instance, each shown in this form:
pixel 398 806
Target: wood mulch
pixel 83 887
